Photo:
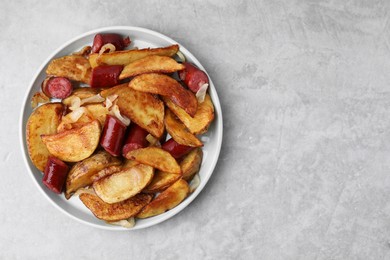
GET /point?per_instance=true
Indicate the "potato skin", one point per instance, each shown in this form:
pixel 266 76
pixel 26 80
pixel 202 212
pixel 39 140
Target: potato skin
pixel 190 165
pixel 73 67
pixel 43 121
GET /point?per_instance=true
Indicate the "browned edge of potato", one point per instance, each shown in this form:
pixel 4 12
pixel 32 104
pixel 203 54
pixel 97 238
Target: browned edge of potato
pixel 190 164
pixel 161 181
pixel 73 67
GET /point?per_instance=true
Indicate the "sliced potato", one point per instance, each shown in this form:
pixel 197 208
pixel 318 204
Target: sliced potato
pixel 155 157
pixel 161 181
pixel 151 64
pixel 73 67
pixel 44 120
pixel 179 131
pixel 144 109
pixel 74 145
pixel 166 86
pixel 123 184
pixel 202 119
pixel 82 173
pixel 117 211
pixel 128 56
pixel 166 200
pixel 129 163
pixel 191 163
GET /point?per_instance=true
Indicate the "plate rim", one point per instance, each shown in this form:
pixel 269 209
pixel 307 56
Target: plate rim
pixel 165 216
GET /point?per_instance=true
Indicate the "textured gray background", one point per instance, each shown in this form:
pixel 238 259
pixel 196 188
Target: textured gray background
pixel 304 171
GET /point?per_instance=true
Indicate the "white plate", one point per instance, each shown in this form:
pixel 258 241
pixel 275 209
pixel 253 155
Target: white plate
pixel 212 139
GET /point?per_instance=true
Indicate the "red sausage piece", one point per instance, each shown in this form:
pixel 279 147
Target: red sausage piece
pixel 136 138
pixel 193 77
pixel 113 134
pixel 116 39
pixel 175 149
pixel 55 174
pixel 57 87
pixel 105 76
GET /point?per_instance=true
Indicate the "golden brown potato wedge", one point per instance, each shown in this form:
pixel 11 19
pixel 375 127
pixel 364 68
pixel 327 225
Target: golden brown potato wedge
pixel 43 120
pixel 161 181
pixel 191 163
pixel 202 119
pixel 82 173
pixel 166 200
pixel 155 157
pixel 73 67
pixel 117 211
pixel 143 108
pixel 123 184
pixel 151 64
pixel 74 145
pixel 128 56
pixel 81 93
pixel 129 163
pixel 179 131
pixel 166 86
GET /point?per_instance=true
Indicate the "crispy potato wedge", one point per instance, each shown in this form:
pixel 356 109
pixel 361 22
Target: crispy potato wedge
pixel 166 200
pixel 117 211
pixel 74 145
pixel 144 109
pixel 123 184
pixel 82 173
pixel 151 64
pixel 161 181
pixel 191 163
pixel 43 120
pixel 155 157
pixel 166 86
pixel 179 131
pixel 128 56
pixel 129 163
pixel 106 172
pixel 202 119
pixel 73 67
pixel 81 93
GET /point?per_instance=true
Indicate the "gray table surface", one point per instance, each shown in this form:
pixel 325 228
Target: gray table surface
pixel 304 171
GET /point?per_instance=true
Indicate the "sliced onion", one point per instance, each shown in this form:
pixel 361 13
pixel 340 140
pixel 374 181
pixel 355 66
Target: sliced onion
pixel 181 56
pixel 153 140
pixel 75 103
pixel 76 114
pixel 201 93
pixel 108 46
pixel 115 112
pixel 94 99
pixel 110 100
pixel 126 223
pixel 194 183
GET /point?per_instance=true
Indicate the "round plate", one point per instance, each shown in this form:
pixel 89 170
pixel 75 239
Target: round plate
pixel 212 140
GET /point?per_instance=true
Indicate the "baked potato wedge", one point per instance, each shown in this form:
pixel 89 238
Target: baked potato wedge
pixel 143 108
pixel 123 184
pixel 161 181
pixel 75 144
pixel 128 56
pixel 166 86
pixel 116 211
pixel 201 121
pixel 166 200
pixel 179 131
pixel 82 173
pixel 44 120
pixel 191 163
pixel 151 64
pixel 155 157
pixel 73 67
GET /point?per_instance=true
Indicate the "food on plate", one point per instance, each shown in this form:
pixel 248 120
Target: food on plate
pixel 200 122
pixel 168 88
pixel 123 184
pixel 143 108
pixel 128 56
pixel 168 199
pixel 72 67
pixel 155 157
pixel 179 131
pixel 82 173
pixel 55 174
pixel 175 149
pixel 43 121
pixel 100 126
pixel 75 144
pixel 116 211
pixel 151 64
